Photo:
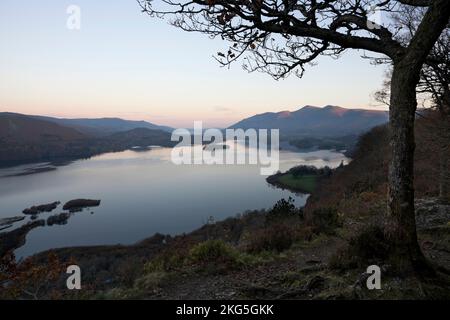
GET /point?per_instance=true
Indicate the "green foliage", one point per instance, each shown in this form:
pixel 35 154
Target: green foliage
pixel 151 281
pixel 165 262
pixel 310 170
pixel 143 286
pixel 300 178
pixel 213 252
pixel 305 183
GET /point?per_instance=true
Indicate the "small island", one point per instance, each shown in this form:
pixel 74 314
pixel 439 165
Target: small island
pixel 79 204
pixel 59 219
pixel 49 207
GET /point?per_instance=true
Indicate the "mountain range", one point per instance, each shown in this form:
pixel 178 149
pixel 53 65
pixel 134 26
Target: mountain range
pixel 329 121
pixel 30 138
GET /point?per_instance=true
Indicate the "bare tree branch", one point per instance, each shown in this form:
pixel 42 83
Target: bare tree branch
pixel 417 3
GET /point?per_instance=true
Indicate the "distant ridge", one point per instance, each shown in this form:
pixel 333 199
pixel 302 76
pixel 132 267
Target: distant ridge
pixel 103 126
pixel 328 121
pixel 19 128
pixel 27 139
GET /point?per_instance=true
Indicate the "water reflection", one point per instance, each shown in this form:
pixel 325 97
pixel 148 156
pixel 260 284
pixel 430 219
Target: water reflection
pixel 142 193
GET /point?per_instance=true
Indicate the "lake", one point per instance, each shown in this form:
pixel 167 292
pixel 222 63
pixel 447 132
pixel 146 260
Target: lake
pixel 142 193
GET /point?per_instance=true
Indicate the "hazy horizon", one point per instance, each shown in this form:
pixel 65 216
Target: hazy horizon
pixel 125 64
pixel 191 125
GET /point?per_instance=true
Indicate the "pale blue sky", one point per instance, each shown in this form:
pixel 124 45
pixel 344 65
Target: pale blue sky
pixel 123 63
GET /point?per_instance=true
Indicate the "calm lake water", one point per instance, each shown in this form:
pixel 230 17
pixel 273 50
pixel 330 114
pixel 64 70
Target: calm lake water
pixel 142 193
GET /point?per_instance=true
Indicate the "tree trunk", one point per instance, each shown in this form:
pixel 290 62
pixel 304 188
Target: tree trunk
pixel 444 171
pixel 444 141
pixel 400 223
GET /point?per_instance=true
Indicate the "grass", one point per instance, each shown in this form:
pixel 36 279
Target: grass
pixel 306 183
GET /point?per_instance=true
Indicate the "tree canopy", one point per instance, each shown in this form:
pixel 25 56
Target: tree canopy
pixel 283 36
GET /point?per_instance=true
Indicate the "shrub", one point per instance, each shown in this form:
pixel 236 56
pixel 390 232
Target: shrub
pixel 128 270
pixel 30 279
pixel 165 262
pixel 151 281
pixel 325 220
pixel 370 244
pixel 143 286
pixel 283 209
pixel 214 252
pixel 278 238
pixel 368 247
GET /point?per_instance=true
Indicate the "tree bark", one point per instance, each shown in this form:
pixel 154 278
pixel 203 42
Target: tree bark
pixel 444 172
pixel 444 143
pixel 400 224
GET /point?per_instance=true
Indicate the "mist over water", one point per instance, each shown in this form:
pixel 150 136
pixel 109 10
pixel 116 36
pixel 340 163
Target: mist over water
pixel 142 193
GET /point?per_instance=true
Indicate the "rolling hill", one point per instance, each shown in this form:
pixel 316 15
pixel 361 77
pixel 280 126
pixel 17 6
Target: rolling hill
pixel 103 126
pixel 25 139
pixel 18 128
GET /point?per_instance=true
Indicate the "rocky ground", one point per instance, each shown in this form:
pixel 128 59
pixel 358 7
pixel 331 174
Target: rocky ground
pixel 303 272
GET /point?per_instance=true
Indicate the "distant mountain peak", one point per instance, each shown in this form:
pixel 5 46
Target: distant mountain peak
pixel 324 121
pixel 339 111
pixel 309 107
pixel 329 106
pixel 284 114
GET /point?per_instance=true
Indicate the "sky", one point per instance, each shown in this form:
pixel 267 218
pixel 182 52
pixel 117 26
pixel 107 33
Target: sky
pixel 122 63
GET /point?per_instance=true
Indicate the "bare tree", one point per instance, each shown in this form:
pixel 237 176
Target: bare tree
pixel 435 83
pixel 283 36
pixel 433 86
